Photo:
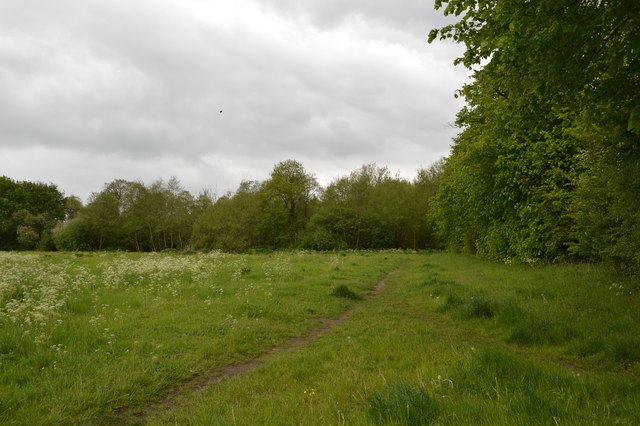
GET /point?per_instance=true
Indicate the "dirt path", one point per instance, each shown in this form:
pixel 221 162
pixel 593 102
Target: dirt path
pixel 209 378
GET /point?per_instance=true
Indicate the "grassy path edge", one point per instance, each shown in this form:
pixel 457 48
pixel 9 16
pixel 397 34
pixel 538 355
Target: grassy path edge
pixel 209 378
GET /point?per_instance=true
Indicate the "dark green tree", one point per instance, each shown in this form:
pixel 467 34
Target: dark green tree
pixel 370 209
pixel 551 120
pixel 287 201
pixel 231 223
pixel 28 213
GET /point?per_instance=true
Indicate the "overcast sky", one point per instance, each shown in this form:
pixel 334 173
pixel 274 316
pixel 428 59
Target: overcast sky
pixel 95 90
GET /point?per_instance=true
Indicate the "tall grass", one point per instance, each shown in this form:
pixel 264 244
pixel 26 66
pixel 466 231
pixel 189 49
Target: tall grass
pixel 437 347
pixel 88 339
pixel 85 336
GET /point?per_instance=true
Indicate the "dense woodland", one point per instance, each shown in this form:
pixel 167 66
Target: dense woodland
pixel 546 164
pixel 368 209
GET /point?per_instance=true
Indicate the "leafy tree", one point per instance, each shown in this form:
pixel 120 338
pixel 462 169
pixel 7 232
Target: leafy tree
pixel 72 206
pixel 128 215
pixel 103 216
pixel 551 120
pixel 28 212
pixel 287 200
pixel 421 232
pixel 231 222
pixel 372 209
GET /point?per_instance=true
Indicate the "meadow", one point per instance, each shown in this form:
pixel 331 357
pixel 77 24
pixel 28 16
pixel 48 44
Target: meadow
pixel 312 338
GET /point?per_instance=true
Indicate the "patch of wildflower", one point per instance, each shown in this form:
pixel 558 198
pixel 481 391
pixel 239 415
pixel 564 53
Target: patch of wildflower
pixel 277 268
pixel 239 267
pixel 230 320
pixel 155 273
pixel 33 291
pixel 309 395
pixel 617 288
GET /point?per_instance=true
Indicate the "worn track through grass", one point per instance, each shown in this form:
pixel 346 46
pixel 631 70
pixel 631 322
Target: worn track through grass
pixel 208 378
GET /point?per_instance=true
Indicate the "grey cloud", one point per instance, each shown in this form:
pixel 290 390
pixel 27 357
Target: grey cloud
pixel 145 81
pixel 415 16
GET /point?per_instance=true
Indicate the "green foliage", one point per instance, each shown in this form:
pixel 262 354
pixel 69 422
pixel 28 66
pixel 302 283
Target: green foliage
pixel 28 213
pixel 288 198
pixel 128 215
pixel 231 223
pixel 369 209
pixel 546 163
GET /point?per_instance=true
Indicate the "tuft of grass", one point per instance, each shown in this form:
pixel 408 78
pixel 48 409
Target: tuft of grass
pixel 626 349
pixel 452 302
pixel 403 404
pixel 481 306
pixel 586 347
pixel 437 281
pixel 477 306
pixel 534 330
pixel 345 292
pixel 526 387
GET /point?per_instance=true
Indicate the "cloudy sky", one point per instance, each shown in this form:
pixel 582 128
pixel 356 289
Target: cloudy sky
pixel 94 90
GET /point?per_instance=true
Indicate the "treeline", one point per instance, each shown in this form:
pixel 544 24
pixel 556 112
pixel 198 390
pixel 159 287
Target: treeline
pixel 547 164
pixel 368 209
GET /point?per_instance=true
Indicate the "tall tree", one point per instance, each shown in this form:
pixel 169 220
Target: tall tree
pixel 370 209
pixel 288 197
pixel 231 223
pixel 553 100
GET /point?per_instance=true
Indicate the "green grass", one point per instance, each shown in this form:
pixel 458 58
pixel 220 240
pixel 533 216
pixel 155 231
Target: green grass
pixel 403 403
pixel 450 339
pixel 82 337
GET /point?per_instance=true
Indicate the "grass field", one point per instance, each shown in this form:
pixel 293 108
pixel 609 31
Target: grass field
pixel 450 339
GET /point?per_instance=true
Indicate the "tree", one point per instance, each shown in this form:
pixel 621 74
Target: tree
pixel 28 213
pixel 288 197
pixel 551 115
pixel 371 209
pixel 230 223
pixel 128 215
